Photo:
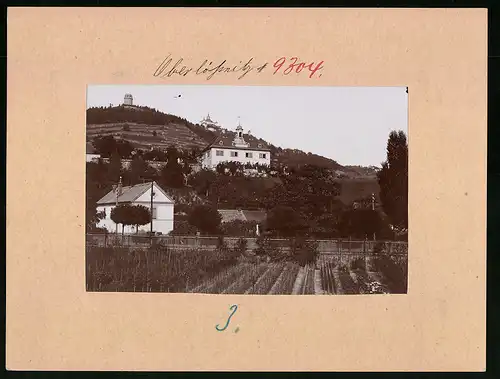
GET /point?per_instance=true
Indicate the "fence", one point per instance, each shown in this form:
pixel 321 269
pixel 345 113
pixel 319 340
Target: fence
pixel 325 247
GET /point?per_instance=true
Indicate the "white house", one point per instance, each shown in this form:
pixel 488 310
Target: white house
pixel 229 148
pixel 91 153
pixel 140 194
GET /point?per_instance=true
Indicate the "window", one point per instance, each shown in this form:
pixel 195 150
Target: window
pixel 239 134
pixel 259 145
pixel 248 155
pixel 219 153
pixel 220 142
pixel 155 213
pixel 262 155
pixel 234 153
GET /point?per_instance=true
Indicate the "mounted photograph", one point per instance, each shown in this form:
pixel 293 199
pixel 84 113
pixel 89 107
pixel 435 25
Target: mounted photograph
pixel 254 190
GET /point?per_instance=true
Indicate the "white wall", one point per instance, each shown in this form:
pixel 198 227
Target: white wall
pixel 211 160
pixel 163 223
pixel 92 157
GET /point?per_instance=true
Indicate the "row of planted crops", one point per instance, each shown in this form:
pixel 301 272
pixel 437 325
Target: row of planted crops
pixel 121 269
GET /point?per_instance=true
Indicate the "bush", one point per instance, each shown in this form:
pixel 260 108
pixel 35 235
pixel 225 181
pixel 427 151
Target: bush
pixel 343 268
pixel 239 228
pixel 302 251
pixel 266 249
pixel 396 273
pixel 183 228
pixel 379 248
pixel 241 245
pixel 358 264
pixel 206 218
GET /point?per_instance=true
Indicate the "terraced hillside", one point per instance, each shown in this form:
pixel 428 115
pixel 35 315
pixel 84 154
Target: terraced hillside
pixel 144 136
pixel 146 127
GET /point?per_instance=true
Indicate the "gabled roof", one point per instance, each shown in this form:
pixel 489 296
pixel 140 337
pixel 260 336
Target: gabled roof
pixel 129 194
pixel 229 215
pixel 225 141
pixel 257 216
pixel 90 149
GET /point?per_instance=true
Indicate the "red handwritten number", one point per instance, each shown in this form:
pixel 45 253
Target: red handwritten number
pixel 292 66
pixel 278 64
pixel 315 69
pixel 297 67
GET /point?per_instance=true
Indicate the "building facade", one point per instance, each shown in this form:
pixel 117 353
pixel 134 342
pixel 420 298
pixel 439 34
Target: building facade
pixel 140 194
pixel 128 99
pixel 234 148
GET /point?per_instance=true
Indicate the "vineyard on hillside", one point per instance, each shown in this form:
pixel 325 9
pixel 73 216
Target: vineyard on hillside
pixel 230 272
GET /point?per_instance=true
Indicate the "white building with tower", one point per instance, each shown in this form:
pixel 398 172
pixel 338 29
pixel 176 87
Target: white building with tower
pixel 210 124
pixel 128 99
pixel 233 147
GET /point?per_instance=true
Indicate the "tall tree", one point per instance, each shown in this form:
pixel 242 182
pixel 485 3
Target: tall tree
pixel 207 219
pixel 115 167
pixel 140 169
pixel 393 181
pixel 285 221
pixel 172 174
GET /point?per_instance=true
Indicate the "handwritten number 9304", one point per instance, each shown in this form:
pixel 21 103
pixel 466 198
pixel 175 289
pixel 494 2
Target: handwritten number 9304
pixel 294 65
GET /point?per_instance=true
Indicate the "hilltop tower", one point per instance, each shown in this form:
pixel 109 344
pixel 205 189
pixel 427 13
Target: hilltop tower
pixel 128 99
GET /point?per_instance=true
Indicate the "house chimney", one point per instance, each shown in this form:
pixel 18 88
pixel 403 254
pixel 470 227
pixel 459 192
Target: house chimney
pixel 119 190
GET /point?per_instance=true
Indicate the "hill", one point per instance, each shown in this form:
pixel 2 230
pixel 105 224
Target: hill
pixel 146 128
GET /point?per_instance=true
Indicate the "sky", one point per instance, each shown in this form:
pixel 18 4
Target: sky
pixel 347 124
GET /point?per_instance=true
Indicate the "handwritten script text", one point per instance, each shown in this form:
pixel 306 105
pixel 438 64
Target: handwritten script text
pixel 208 69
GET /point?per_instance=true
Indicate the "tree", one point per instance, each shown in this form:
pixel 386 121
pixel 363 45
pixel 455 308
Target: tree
pixel 121 214
pixel 311 190
pixel 115 167
pixel 105 146
pixel 202 180
pixel 140 169
pixel 393 181
pixel 361 223
pixel 172 174
pixel 127 214
pixel 140 216
pixel 155 155
pixel 124 148
pixel 206 218
pixel 285 221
